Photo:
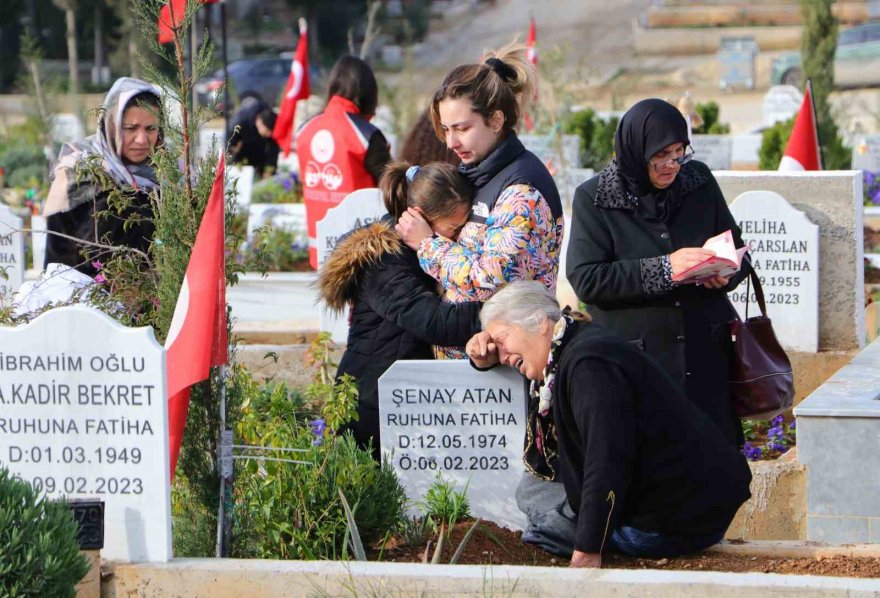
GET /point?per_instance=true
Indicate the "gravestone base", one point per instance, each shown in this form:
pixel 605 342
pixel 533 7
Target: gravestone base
pixel 90 585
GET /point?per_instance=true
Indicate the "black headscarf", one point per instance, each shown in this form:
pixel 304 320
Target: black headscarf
pixel 645 129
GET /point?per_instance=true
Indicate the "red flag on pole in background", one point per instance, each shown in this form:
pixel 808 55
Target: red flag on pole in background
pixel 197 336
pixel 802 150
pixel 531 50
pixel 171 16
pixel 532 55
pixel 297 89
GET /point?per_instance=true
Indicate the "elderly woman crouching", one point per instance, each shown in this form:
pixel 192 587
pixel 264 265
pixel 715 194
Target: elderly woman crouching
pixel 645 471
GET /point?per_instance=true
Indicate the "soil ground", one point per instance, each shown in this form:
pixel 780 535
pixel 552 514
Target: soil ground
pixel 493 545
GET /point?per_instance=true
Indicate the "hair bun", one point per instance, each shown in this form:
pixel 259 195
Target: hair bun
pixel 506 72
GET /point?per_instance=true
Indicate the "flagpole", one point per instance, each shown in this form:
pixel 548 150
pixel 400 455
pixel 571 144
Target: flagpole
pixel 816 124
pixel 225 73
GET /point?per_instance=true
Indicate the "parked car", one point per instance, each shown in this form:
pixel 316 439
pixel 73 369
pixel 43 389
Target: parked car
pixel 856 61
pixel 264 76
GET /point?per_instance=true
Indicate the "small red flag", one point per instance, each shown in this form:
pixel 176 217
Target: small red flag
pixel 297 89
pixel 171 16
pixel 802 151
pixel 532 55
pixel 531 50
pixel 197 336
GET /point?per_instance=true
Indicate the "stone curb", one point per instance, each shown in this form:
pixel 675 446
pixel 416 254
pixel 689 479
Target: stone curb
pixel 796 550
pixel 222 578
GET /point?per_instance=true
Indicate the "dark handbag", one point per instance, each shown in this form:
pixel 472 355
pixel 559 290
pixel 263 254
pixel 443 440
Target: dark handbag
pixel 761 380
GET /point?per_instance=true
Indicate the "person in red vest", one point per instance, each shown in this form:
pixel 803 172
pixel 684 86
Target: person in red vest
pixel 339 150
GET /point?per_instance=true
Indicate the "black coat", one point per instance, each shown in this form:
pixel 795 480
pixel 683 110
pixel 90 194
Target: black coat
pixel 624 426
pixel 396 313
pixel 613 266
pixel 93 220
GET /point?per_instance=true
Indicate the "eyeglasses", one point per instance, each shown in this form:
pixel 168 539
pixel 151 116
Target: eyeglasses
pixel 669 163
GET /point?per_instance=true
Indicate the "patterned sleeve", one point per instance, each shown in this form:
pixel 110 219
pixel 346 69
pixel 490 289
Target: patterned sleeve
pixel 514 231
pixel 656 275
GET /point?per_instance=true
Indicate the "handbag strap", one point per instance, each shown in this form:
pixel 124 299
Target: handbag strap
pixel 759 292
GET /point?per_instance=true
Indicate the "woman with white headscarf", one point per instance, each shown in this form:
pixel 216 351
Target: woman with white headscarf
pixel 116 158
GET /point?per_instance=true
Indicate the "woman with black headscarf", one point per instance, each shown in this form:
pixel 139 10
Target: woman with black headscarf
pixel 641 221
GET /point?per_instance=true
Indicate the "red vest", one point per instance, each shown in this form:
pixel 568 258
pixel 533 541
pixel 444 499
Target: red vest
pixel 331 148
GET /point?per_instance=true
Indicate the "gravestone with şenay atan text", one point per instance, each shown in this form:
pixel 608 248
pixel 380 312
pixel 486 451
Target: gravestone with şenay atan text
pixel 11 253
pixel 84 415
pixel 444 417
pixel 784 249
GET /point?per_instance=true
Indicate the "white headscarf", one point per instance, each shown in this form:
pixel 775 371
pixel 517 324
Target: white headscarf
pixel 106 143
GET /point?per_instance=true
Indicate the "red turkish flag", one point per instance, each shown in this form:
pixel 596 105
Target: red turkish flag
pixel 532 55
pixel 802 151
pixel 171 16
pixel 297 89
pixel 197 336
pixel 531 50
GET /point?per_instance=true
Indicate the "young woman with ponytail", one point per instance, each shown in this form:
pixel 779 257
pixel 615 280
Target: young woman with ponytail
pixel 396 312
pixel 515 227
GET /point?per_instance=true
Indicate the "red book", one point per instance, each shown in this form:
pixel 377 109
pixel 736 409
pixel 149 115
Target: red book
pixel 726 261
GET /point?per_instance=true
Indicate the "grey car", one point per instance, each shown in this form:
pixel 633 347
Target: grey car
pixel 263 76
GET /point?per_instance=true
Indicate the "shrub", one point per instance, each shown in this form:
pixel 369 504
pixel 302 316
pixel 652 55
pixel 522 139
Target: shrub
pixel 288 504
pixel 281 188
pixel 773 142
pixel 871 187
pixel 597 137
pixel 709 112
pixel 278 249
pixel 443 504
pixel 39 555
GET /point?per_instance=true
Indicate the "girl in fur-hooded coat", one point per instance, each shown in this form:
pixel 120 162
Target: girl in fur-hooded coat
pixel 396 311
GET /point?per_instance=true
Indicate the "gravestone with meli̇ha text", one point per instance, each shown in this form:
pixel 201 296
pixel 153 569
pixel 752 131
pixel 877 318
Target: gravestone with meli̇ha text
pixel 784 249
pixel 83 415
pixel 446 418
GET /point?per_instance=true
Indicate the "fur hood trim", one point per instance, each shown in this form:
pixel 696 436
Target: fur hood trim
pixel 342 274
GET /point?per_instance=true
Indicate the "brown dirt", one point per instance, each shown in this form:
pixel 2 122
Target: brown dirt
pixel 493 545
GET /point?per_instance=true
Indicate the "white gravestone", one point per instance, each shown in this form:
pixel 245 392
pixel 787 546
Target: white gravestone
pixel 866 153
pixel 11 252
pixel 716 151
pixel 781 102
pixel 559 154
pixel 288 216
pixel 359 208
pixel 241 178
pixel 208 137
pixel 84 415
pixel 65 128
pixel 38 242
pixel 784 248
pixel 446 417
